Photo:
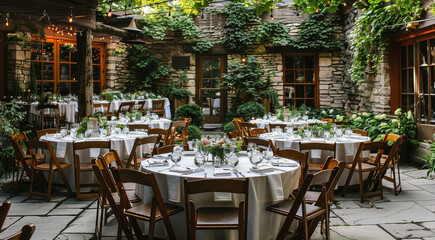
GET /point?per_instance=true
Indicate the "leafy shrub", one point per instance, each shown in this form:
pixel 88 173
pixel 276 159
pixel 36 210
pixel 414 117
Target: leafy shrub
pixel 194 132
pixel 229 116
pixel 229 127
pixel 250 110
pixel 192 111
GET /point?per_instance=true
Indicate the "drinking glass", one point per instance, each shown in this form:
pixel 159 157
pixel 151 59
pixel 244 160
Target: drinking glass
pixel 268 155
pixel 63 132
pixel 228 150
pixel 176 157
pixel 195 145
pixel 256 157
pixel 233 160
pixel 308 133
pixel 199 160
pixel 251 146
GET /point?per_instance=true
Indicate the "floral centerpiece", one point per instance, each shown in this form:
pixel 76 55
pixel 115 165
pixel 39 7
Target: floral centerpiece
pixel 143 95
pixel 110 96
pixel 83 127
pixel 217 149
pixel 134 115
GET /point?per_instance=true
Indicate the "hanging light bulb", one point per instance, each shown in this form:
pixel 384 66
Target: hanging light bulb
pixel 7 22
pixel 345 4
pixel 271 16
pixel 70 18
pixel 329 2
pixel 317 10
pixel 297 14
pixel 109 14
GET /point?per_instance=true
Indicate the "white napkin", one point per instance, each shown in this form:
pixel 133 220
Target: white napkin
pixel 262 169
pixel 222 172
pixel 128 142
pixel 275 185
pixel 283 163
pixel 180 169
pixel 173 188
pixel 61 149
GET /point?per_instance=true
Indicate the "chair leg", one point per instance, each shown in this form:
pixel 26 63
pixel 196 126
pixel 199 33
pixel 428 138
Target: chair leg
pixel 50 181
pixel 346 185
pixel 361 186
pixel 77 178
pixel 380 186
pixel 32 182
pixel 65 181
pixel 399 185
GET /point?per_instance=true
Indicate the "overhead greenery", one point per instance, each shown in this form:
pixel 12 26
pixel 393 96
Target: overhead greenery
pixel 372 32
pixel 145 70
pixel 274 32
pixel 319 6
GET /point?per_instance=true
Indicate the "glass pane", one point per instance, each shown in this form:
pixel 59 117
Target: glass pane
pixel 299 62
pixel 309 76
pixel 206 83
pixel 75 88
pixel 411 102
pixel 433 109
pixel 289 92
pixel 410 81
pixel 96 55
pixel 215 63
pixel 423 53
pixel 403 57
pixel 74 75
pixel 38 70
pixel 410 56
pixel 74 55
pixel 206 72
pixel 64 88
pixel 299 102
pixel 215 83
pixel 310 103
pixel 299 76
pixel 309 91
pixel 404 103
pixel 64 53
pixel 38 87
pixel 48 71
pixel 36 51
pixel 404 82
pixel 96 70
pixel 97 87
pixel 206 63
pixel 300 91
pixel 432 81
pixel 216 73
pixel 48 86
pixel 210 102
pixel 289 102
pixel 423 80
pixel 289 61
pixel 424 107
pixel 64 71
pixel 48 51
pixel 432 49
pixel 309 62
pixel 289 76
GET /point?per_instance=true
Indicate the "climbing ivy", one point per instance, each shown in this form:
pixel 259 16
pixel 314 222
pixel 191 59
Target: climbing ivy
pixel 275 32
pixel 373 30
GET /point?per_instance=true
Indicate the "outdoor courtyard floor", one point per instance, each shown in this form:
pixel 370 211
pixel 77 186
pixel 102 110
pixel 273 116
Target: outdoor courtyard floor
pixel 410 215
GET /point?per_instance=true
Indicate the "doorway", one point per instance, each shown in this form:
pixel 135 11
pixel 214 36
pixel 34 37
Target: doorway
pixel 210 97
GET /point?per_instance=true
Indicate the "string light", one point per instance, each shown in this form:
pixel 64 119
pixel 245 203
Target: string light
pixel 317 10
pixel 7 22
pixel 345 4
pixel 70 19
pixel 271 15
pixel 297 14
pixel 109 14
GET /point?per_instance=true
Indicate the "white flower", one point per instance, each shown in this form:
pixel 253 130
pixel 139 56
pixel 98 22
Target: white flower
pixel 323 112
pixel 383 124
pixel 398 112
pixel 307 112
pixel 358 119
pixel 381 116
pixel 409 116
pixel 339 118
pixel 365 114
pixel 395 120
pixel 354 116
pixel 331 110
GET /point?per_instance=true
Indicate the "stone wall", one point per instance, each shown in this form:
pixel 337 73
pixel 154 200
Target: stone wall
pixel 116 68
pixel 19 57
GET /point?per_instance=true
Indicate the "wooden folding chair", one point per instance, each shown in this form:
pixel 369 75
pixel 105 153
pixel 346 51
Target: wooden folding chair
pixel 159 107
pixel 277 125
pixel 50 113
pixel 292 209
pixel 124 107
pixel 134 127
pixel 261 143
pixel 177 126
pixel 204 218
pixel 140 106
pixel 164 133
pixel 362 167
pixel 25 233
pixel 236 122
pixel 4 209
pixel 246 128
pixel 134 160
pixel 360 132
pixel 107 199
pixel 43 132
pixel 298 156
pixel 233 134
pixel 85 165
pixel 306 146
pixel 165 149
pixel 151 212
pixel 103 109
pixel 50 166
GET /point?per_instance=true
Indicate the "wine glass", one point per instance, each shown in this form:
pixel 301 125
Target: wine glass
pixel 195 145
pixel 308 133
pixel 268 155
pixel 199 160
pixel 176 157
pixel 228 150
pixel 256 157
pixel 251 146
pixel 233 160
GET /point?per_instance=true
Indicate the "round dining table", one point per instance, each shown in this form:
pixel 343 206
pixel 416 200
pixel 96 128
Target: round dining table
pixel 264 123
pixel 345 149
pixel 155 123
pixel 63 147
pixel 265 188
pixel 114 106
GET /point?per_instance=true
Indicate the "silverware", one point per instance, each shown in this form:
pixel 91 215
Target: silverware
pixel 239 172
pixel 235 173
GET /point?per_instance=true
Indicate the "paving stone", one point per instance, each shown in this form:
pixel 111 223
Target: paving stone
pixel 74 236
pixel 428 187
pixel 18 199
pixel 406 196
pixel 407 230
pixel 85 223
pixel 417 173
pixel 30 209
pixel 65 212
pixel 9 221
pixel 47 228
pixel 347 204
pixel 430 205
pixel 389 212
pixel 54 198
pixel 368 232
pixel 429 225
pixel 420 181
pixel 73 205
pixel 74 201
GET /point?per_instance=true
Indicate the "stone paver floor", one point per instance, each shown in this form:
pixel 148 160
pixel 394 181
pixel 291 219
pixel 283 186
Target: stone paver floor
pixel 410 215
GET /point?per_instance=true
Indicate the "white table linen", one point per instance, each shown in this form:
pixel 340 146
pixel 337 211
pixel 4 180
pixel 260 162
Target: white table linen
pixel 114 106
pixel 261 123
pixel 67 111
pixel 160 123
pixel 264 189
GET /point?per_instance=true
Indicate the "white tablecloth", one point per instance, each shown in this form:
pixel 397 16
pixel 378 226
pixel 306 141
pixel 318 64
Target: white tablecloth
pixel 161 123
pixel 346 148
pixel 63 147
pixel 264 190
pixel 67 110
pixel 114 106
pixel 261 123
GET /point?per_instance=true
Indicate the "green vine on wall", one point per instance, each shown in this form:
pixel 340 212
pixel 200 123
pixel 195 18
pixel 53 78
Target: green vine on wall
pixel 372 33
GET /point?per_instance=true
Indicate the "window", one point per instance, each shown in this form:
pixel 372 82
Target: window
pixel 407 77
pixel 54 64
pixel 300 80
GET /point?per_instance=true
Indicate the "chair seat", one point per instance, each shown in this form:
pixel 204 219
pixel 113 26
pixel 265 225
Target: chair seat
pixel 222 216
pixel 129 186
pixel 315 166
pixel 38 156
pixel 365 167
pixel 382 160
pixel 143 211
pixel 284 206
pixel 131 195
pixel 46 166
pixel 85 167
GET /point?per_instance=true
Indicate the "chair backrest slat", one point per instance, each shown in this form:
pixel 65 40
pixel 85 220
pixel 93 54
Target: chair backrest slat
pixel 216 185
pixel 25 233
pixel 42 132
pixel 165 149
pixel 298 156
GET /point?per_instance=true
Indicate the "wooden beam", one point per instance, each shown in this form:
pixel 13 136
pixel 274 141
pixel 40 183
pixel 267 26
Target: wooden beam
pixel 85 73
pixel 3 61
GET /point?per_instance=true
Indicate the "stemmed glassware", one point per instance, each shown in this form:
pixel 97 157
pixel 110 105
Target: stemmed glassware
pixel 256 157
pixel 176 155
pixel 199 160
